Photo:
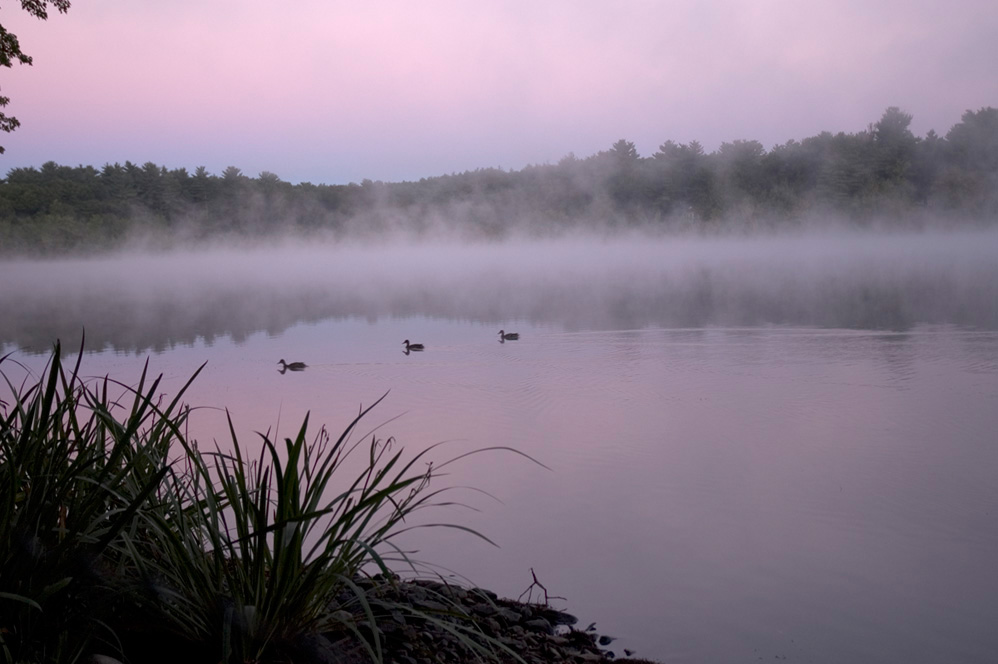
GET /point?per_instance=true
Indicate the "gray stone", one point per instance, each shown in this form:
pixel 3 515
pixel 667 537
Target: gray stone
pixel 539 625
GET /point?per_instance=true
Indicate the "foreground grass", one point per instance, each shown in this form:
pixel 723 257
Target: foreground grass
pixel 120 537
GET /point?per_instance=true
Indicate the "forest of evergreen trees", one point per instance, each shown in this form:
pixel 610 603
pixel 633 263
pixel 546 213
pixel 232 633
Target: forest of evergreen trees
pixel 881 175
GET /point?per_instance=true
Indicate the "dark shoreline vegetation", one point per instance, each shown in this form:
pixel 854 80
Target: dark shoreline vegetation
pixel 122 540
pixel 882 176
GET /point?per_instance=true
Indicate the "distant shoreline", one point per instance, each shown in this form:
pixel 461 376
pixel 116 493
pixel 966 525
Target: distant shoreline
pixel 881 177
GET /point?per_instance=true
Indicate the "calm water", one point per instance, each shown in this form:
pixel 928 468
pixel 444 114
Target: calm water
pixel 757 450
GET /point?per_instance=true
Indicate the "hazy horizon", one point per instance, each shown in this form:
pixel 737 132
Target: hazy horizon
pixel 336 93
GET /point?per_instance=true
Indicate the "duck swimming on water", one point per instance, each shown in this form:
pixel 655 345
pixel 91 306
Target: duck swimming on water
pixel 508 336
pixel 294 366
pixel 409 346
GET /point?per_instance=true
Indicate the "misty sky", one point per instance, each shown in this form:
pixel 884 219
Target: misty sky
pixel 338 91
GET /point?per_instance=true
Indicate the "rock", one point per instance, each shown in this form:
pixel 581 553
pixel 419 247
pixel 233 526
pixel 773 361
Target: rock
pixel 485 609
pixel 539 625
pixel 488 594
pixel 556 617
pixel 431 605
pixel 509 615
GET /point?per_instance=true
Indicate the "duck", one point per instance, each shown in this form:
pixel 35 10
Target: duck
pixel 409 346
pixel 508 336
pixel 293 366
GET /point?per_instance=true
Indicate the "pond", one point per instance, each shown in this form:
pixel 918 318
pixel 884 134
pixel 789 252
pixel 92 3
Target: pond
pixel 747 448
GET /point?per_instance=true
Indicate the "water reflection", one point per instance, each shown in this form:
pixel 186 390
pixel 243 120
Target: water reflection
pixel 140 304
pixel 717 494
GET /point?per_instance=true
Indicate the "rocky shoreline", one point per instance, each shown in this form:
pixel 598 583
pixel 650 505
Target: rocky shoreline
pixel 418 621
pixel 431 622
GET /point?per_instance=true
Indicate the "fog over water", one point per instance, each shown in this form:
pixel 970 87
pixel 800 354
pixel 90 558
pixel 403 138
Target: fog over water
pixel 149 302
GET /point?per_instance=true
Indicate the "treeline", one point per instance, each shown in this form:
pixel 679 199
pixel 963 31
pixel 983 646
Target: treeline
pixel 883 174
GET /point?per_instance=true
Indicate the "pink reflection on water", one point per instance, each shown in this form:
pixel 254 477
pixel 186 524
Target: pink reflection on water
pixel 715 494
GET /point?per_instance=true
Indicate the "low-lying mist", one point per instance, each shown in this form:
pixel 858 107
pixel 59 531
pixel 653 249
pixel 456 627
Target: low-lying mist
pixel 141 302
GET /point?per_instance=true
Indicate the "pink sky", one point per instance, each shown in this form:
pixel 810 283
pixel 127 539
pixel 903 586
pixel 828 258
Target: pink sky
pixel 337 91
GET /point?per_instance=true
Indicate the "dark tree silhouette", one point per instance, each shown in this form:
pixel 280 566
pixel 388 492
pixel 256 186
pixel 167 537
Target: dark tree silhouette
pixel 10 52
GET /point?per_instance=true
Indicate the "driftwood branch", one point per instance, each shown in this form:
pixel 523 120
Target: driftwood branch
pixel 529 592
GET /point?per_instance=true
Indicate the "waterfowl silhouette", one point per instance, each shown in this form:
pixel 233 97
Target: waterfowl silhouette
pixel 508 336
pixel 409 346
pixel 294 366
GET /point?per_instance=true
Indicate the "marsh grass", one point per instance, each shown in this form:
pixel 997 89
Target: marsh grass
pixel 73 478
pixel 113 524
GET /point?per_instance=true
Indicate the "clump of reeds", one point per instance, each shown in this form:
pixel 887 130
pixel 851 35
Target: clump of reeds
pixel 113 524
